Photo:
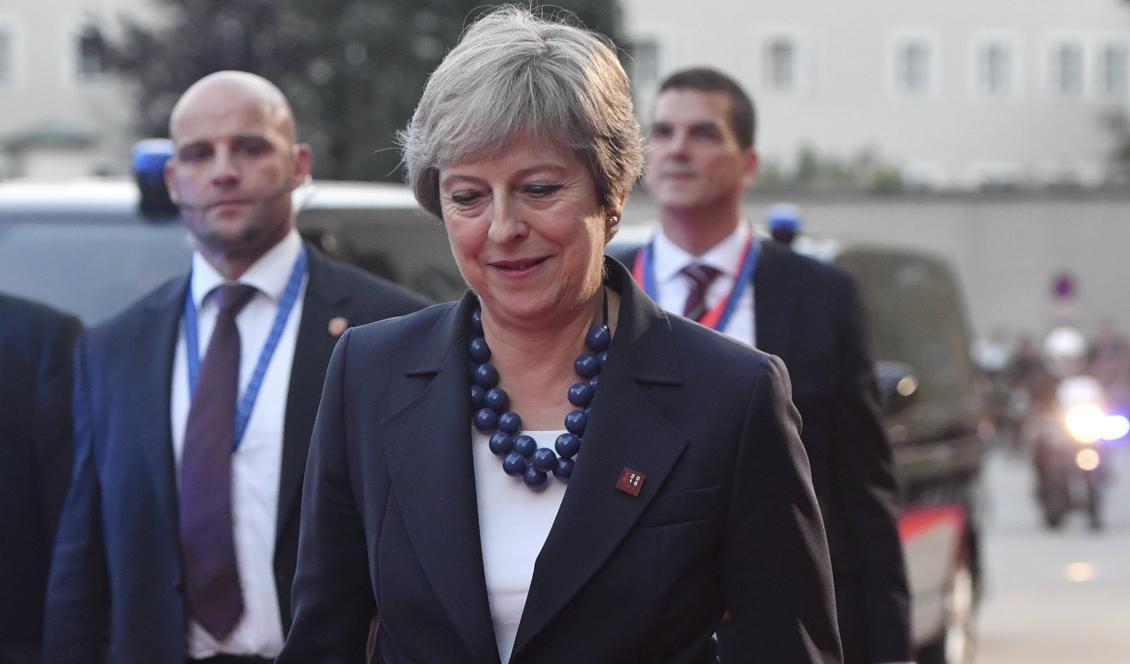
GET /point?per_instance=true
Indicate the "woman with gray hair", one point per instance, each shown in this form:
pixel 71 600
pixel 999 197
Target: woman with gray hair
pixel 551 469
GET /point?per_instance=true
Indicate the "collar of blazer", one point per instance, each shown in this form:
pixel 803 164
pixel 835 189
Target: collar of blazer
pixel 437 500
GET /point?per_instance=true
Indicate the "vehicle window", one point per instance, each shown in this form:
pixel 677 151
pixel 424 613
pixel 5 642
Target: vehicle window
pixel 407 246
pixel 916 317
pixel 90 269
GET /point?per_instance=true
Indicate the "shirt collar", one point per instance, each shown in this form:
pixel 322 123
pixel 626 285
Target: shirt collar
pixel 268 275
pixel 670 259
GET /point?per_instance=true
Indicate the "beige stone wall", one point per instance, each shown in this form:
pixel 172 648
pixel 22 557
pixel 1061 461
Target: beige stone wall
pixel 844 100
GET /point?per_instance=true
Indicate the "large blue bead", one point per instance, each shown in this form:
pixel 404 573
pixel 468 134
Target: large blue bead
pixel 477 320
pixel 486 419
pixel 514 464
pixel 479 350
pixel 501 443
pixel 580 394
pixel 567 445
pixel 576 422
pixel 485 375
pixel 525 446
pixel 510 422
pixel 534 477
pixel 544 459
pixel 587 365
pixel 563 469
pixel 477 395
pixel 598 338
pixel 497 399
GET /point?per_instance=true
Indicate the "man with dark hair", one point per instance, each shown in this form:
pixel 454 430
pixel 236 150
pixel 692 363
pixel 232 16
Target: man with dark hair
pixel 36 344
pixel 707 264
pixel 194 407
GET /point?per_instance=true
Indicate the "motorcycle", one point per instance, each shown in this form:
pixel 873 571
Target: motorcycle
pixel 1069 451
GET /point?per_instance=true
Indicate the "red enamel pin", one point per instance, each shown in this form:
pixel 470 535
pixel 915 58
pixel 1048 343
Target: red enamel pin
pixel 631 481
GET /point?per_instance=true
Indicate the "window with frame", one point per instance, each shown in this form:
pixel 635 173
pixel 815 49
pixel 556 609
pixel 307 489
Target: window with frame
pixel 995 69
pixel 645 63
pixel 779 64
pixel 1112 75
pixel 1067 69
pixel 913 63
pixel 7 55
pixel 90 52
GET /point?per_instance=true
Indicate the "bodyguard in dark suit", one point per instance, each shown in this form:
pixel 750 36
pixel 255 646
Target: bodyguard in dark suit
pixel 179 535
pixel 36 344
pixel 707 264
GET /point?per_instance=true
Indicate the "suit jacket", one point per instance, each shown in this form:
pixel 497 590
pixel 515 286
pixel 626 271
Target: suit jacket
pixel 809 314
pixel 116 578
pixel 726 517
pixel 36 343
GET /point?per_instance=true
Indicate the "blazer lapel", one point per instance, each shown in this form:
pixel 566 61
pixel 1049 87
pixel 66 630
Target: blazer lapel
pixel 626 432
pixel 436 498
pixel 323 300
pixel 153 428
pixel 771 302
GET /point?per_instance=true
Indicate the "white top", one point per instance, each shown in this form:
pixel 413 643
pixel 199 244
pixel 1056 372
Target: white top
pixel 669 260
pixel 513 525
pixel 257 463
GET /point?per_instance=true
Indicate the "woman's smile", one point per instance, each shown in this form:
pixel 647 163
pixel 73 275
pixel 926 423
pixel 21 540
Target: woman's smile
pixel 519 268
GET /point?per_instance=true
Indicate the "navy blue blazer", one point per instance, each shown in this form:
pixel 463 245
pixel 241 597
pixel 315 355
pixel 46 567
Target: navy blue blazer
pixel 810 314
pixel 726 518
pixel 115 589
pixel 36 345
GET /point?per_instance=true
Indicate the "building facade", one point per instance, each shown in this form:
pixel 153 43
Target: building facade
pixel 961 94
pixel 60 114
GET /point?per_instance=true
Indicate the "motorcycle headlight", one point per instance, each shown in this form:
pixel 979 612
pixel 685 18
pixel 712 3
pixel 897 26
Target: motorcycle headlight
pixel 1115 427
pixel 1085 422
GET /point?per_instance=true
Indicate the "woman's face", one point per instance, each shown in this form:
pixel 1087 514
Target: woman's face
pixel 526 230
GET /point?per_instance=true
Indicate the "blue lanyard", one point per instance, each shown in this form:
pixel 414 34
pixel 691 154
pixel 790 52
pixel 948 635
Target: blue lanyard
pixel 192 343
pixel 645 275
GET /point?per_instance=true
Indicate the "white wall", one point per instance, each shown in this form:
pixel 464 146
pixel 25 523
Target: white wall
pixel 845 101
pixel 46 91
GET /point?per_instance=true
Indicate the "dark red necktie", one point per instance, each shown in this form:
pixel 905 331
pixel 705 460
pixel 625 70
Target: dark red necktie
pixel 701 277
pixel 211 575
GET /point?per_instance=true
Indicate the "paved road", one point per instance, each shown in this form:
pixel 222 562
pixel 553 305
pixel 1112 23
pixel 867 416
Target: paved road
pixel 1054 597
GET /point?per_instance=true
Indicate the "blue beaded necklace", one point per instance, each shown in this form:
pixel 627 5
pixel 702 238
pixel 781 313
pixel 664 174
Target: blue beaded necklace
pixel 492 415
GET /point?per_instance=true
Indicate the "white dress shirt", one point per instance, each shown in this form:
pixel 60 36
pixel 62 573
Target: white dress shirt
pixel 257 463
pixel 669 259
pixel 513 525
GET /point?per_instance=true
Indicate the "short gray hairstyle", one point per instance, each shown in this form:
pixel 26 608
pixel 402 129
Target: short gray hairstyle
pixel 515 73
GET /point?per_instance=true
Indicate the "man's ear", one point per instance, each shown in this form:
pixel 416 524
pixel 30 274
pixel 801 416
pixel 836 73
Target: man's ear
pixel 750 163
pixel 170 181
pixel 303 164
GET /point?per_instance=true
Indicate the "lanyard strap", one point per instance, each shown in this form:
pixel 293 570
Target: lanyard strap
pixel 192 345
pixel 718 316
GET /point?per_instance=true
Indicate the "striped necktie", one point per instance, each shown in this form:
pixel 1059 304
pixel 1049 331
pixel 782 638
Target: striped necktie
pixel 701 277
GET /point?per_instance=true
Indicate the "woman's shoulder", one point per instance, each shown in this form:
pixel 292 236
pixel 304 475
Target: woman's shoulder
pixel 407 330
pixel 717 356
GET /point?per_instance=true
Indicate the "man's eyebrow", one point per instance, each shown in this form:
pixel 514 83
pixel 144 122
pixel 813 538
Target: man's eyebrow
pixel 192 145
